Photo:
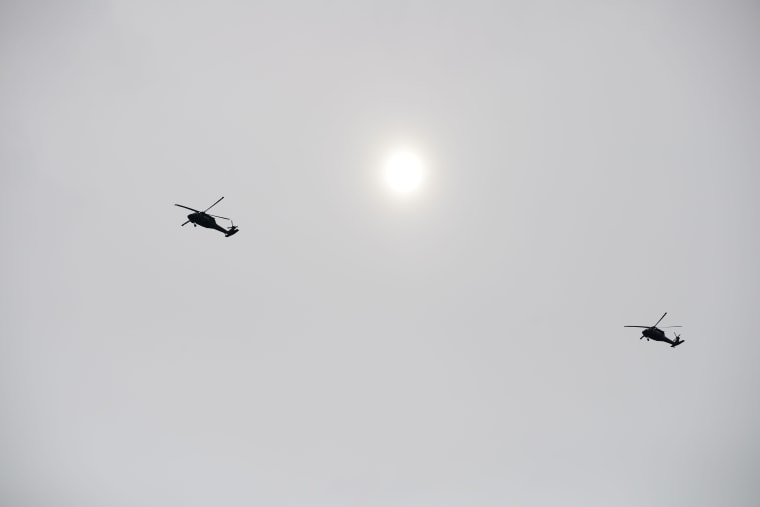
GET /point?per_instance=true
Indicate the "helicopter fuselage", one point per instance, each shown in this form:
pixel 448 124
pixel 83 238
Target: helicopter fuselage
pixel 658 335
pixel 655 333
pixel 205 220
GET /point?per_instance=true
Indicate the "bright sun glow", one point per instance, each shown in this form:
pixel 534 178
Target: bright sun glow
pixel 404 172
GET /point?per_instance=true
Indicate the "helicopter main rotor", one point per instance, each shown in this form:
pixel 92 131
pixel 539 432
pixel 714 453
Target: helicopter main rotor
pixel 186 207
pixel 655 325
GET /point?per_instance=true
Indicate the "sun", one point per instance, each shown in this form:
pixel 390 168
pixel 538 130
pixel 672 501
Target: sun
pixel 404 172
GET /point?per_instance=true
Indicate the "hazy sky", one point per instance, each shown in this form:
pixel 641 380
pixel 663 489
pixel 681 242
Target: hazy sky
pixel 590 164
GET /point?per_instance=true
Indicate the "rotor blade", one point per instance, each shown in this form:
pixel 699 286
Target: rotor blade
pixel 217 216
pixel 217 202
pixel 191 209
pixel 668 327
pixel 663 316
pixel 643 327
pixel 185 223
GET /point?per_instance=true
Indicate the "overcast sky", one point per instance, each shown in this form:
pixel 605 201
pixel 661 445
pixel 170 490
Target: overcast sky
pixel 590 164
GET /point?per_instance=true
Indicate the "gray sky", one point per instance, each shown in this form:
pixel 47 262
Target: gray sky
pixel 590 165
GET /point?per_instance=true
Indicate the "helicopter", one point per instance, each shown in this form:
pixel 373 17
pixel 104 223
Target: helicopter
pixel 657 334
pixel 207 220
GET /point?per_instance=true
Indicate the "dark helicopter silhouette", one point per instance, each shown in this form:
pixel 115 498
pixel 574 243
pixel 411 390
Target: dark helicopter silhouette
pixel 658 335
pixel 206 220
